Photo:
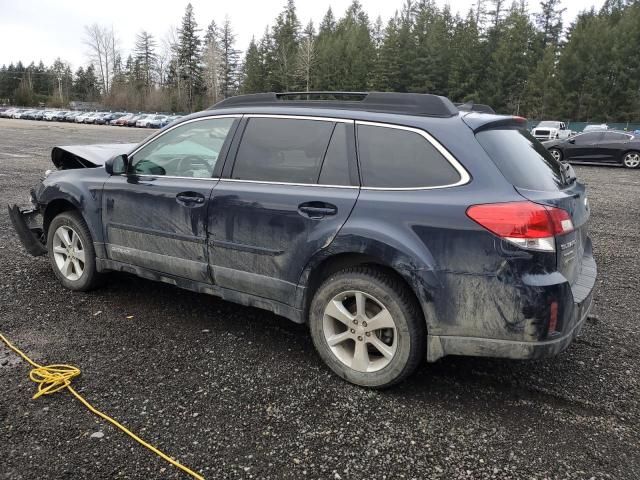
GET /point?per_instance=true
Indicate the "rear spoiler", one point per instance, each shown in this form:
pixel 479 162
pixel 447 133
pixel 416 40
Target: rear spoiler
pixel 475 107
pixel 483 121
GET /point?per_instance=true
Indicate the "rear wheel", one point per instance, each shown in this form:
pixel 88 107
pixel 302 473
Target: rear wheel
pixel 555 153
pixel 367 327
pixel 71 252
pixel 631 159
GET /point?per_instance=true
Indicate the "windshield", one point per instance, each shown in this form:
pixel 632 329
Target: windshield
pixel 523 160
pixel 548 125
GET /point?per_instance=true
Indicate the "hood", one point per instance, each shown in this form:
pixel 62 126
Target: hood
pixel 87 156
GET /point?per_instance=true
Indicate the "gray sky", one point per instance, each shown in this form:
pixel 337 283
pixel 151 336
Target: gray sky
pixel 47 29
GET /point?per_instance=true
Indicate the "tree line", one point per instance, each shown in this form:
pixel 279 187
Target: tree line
pixel 498 54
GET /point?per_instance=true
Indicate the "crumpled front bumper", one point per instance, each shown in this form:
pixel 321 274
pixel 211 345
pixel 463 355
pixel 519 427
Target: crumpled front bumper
pixel 27 223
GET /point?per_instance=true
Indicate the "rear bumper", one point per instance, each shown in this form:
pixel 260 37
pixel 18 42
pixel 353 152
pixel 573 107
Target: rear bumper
pixel 28 225
pixel 579 300
pixel 441 345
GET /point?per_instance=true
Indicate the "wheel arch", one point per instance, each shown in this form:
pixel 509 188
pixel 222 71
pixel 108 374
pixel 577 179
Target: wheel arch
pixel 54 208
pixel 420 282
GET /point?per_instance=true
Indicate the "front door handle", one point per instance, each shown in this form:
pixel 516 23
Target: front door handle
pixel 317 209
pixel 190 199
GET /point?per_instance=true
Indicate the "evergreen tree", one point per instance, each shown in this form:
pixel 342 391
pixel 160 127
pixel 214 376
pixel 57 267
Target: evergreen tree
pixel 466 60
pixel 549 21
pixel 229 60
pixel 253 78
pixel 285 48
pixel 354 54
pixel 145 56
pixel 189 67
pixel 325 76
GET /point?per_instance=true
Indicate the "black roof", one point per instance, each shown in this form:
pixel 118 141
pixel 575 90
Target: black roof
pixel 423 104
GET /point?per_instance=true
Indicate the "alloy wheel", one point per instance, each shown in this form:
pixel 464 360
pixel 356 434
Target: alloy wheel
pixel 632 160
pixel 68 253
pixel 360 331
pixel 556 154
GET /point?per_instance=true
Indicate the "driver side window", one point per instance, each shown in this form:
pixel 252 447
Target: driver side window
pixel 189 150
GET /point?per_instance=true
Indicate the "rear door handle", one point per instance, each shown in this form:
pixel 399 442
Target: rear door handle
pixel 190 199
pixel 317 209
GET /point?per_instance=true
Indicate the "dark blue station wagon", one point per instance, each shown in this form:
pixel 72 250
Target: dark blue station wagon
pixel 396 225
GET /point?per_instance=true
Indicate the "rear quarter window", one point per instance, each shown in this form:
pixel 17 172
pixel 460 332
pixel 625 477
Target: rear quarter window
pixel 399 158
pixel 522 159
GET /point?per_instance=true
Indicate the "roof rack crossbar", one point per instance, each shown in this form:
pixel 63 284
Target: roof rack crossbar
pixel 389 102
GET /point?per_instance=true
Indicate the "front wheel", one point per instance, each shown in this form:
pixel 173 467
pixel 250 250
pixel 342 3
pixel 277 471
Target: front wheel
pixel 367 327
pixel 631 160
pixel 555 153
pixel 71 252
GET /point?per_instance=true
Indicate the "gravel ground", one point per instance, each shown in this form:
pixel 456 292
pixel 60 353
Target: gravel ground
pixel 236 392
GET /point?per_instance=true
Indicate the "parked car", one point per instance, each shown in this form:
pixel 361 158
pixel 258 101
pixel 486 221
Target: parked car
pixel 393 225
pixel 81 117
pixel 91 117
pixel 144 120
pixel 158 121
pixel 549 130
pixel 122 121
pixel 60 115
pixel 131 122
pixel 71 116
pixel 107 118
pixel 609 146
pixel 8 113
pixel 38 115
pixel 17 113
pixel 595 128
pixel 29 114
pixel 49 115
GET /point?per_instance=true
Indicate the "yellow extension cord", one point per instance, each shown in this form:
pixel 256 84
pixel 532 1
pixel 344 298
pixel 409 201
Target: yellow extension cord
pixel 53 378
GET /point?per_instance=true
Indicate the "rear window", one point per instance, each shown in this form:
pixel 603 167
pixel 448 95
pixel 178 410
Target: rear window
pixel 523 160
pixel 399 158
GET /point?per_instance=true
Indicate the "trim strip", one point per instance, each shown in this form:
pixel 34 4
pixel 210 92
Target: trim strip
pixel 159 233
pixel 214 179
pixel 245 248
pixel 464 175
pixel 288 183
pixel 299 117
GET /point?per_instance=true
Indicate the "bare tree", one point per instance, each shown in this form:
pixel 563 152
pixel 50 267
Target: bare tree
pixel 306 56
pixel 212 57
pixel 103 50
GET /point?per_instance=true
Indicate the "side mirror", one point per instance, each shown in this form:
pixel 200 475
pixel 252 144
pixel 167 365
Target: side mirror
pixel 117 165
pixel 572 140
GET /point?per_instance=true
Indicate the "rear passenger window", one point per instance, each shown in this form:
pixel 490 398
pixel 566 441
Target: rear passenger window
pixel 282 150
pixel 335 168
pixel 398 158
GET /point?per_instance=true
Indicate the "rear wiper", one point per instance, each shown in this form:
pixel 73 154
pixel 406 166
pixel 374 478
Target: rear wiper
pixel 569 173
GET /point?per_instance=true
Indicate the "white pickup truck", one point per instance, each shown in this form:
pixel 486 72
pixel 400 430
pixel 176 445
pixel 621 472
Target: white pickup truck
pixel 551 130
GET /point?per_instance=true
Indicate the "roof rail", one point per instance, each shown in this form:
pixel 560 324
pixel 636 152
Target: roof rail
pixel 388 102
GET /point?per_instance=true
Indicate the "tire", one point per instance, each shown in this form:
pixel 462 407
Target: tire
pixel 555 153
pixel 357 354
pixel 631 159
pixel 69 229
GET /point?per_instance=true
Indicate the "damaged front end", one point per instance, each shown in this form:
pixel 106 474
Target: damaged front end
pixel 27 223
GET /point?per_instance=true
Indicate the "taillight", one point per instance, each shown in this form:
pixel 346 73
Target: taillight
pixel 525 224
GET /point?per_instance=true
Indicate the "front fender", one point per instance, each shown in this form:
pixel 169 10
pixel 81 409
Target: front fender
pixel 81 188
